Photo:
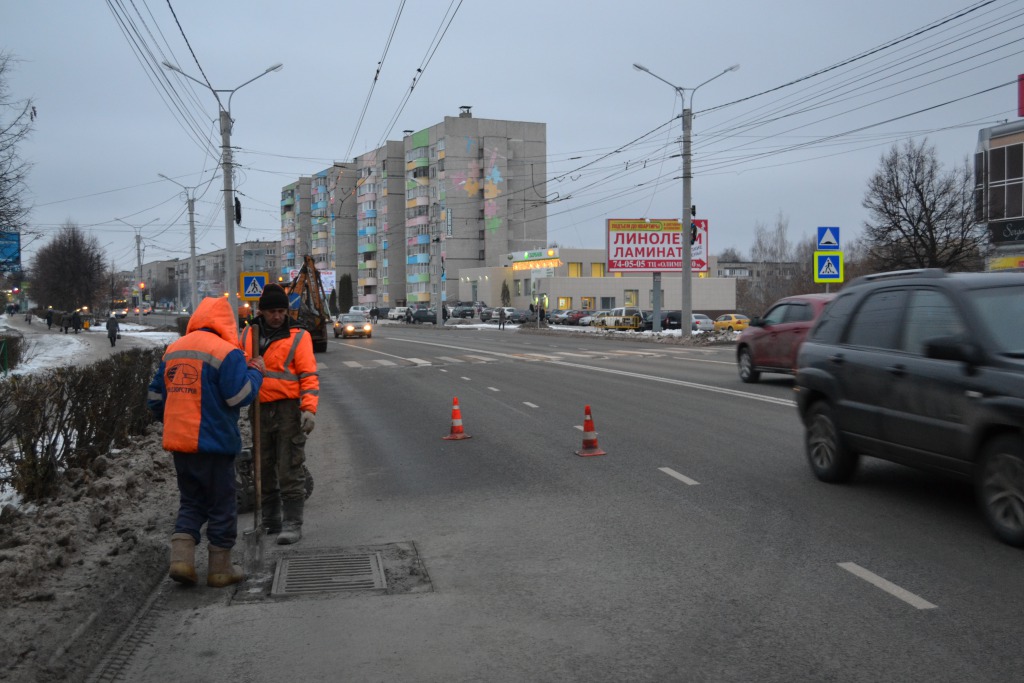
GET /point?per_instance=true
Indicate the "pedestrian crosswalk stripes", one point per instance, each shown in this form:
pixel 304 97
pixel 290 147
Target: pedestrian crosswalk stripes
pixel 530 357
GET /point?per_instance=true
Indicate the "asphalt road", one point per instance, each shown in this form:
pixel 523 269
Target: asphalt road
pixel 699 548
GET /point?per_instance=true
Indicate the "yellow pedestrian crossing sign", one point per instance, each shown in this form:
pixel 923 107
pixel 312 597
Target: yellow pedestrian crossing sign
pixel 252 285
pixel 828 266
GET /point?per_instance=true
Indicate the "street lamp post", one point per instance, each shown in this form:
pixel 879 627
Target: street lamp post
pixel 686 275
pixel 138 260
pixel 225 137
pixel 193 282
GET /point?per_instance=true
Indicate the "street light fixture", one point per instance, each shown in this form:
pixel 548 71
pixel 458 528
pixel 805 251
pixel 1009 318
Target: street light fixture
pixel 686 309
pixel 225 137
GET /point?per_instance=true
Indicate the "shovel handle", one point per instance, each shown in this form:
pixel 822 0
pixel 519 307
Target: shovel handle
pixel 257 469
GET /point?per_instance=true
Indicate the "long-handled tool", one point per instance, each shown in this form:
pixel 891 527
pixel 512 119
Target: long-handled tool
pixel 253 539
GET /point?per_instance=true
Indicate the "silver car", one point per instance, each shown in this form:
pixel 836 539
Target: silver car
pixel 701 323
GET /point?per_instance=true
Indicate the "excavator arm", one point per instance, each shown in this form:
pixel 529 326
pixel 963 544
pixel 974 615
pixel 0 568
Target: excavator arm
pixel 312 313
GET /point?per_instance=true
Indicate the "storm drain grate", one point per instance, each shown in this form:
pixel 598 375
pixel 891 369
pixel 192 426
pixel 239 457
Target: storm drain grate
pixel 328 573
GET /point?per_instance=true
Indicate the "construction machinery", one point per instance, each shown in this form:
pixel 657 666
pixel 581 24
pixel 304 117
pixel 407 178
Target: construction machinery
pixel 312 311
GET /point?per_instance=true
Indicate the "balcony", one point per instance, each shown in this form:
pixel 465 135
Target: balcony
pixel 367 282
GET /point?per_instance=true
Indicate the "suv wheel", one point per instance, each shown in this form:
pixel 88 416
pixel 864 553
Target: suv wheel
pixel 830 460
pixel 1001 488
pixel 746 362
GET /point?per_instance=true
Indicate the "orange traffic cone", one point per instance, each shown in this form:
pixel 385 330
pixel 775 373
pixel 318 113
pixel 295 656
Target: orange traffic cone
pixel 457 432
pixel 590 446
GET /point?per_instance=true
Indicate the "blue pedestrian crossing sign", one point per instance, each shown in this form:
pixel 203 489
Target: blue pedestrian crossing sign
pixel 252 285
pixel 828 238
pixel 828 266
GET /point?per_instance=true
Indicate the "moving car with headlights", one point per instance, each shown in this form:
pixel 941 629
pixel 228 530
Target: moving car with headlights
pixel 771 342
pixel 352 325
pixel 923 368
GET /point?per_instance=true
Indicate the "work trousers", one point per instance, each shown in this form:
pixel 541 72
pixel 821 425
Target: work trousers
pixel 282 452
pixel 206 484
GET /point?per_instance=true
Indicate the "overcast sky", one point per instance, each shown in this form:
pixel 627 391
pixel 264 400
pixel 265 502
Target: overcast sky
pixel 763 144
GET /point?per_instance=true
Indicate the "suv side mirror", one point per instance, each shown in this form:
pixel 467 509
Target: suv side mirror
pixel 954 348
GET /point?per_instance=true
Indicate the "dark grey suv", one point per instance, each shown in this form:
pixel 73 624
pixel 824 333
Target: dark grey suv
pixel 923 368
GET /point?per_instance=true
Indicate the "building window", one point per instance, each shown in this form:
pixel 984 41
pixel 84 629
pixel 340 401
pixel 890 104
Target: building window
pixel 564 303
pixel 650 296
pixel 587 302
pixel 631 297
pixel 517 287
pixel 575 269
pixel 596 270
pixel 607 302
pixel 1005 177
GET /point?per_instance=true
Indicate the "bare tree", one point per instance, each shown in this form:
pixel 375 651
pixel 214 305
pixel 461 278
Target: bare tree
pixel 730 255
pixel 68 272
pixel 921 216
pixel 16 117
pixel 781 268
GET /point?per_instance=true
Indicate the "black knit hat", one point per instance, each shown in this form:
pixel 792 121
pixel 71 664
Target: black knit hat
pixel 273 297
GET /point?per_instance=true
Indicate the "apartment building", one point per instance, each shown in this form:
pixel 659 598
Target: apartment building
pixel 475 192
pixel 296 223
pixel 379 247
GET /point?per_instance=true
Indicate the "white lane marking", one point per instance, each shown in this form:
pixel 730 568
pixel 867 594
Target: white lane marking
pixel 466 378
pixel 579 427
pixel 532 405
pixel 450 359
pixel 681 477
pixel 364 348
pixel 575 355
pixel 482 359
pixel 634 353
pixel 382 361
pixel 681 383
pixel 419 361
pixel 889 587
pixel 494 389
pixel 442 370
pixel 353 364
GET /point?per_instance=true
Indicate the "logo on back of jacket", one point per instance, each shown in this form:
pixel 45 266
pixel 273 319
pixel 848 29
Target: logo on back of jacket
pixel 180 377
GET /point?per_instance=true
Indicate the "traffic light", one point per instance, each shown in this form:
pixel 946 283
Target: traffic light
pixel 142 285
pixel 693 209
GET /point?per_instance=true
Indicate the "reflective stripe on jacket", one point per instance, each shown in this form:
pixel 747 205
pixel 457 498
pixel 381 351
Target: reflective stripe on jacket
pixel 202 384
pixel 291 368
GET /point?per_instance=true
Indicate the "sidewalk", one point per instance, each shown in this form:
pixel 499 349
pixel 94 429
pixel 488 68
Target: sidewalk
pixel 45 349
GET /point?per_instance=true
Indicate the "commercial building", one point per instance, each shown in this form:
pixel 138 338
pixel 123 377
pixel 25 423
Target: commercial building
pixel 578 279
pixel 999 192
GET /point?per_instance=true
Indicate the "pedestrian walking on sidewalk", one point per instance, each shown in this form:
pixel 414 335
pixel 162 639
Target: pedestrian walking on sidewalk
pixel 113 329
pixel 49 318
pixel 76 321
pixel 288 403
pixel 198 392
pixel 502 316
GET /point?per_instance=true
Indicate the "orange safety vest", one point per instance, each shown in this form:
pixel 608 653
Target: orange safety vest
pixel 291 369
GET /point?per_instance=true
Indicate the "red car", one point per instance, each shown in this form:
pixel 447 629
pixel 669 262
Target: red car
pixel 771 342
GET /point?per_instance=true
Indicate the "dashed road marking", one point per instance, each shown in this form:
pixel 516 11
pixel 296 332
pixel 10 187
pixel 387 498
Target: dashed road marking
pixel 419 361
pixel 353 364
pixel 494 389
pixel 449 359
pixel 531 405
pixel 889 587
pixel 385 362
pixel 681 477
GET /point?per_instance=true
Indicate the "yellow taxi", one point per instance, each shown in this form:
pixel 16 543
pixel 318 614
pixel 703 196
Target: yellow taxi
pixel 733 322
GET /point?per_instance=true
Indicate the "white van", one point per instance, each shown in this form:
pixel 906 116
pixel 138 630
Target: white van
pixel 365 310
pixel 397 313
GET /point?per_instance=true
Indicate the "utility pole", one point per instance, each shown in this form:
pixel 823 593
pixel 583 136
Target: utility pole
pixel 229 211
pixel 138 273
pixel 229 205
pixel 192 268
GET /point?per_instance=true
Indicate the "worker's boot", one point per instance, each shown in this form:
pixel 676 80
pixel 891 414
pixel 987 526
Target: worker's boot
pixel 272 517
pixel 291 526
pixel 183 559
pixel 220 571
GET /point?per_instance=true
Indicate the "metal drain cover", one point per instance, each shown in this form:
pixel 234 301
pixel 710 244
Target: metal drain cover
pixel 328 573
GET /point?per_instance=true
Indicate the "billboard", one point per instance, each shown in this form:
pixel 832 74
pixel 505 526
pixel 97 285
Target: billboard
pixel 10 251
pixel 637 245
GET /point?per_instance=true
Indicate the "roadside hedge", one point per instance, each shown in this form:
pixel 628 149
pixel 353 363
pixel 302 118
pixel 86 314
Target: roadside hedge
pixel 61 420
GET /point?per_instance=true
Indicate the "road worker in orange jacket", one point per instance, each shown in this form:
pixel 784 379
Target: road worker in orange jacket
pixel 288 404
pixel 198 392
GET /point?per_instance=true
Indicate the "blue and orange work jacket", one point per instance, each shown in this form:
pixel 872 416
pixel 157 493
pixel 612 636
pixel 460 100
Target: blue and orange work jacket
pixel 202 384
